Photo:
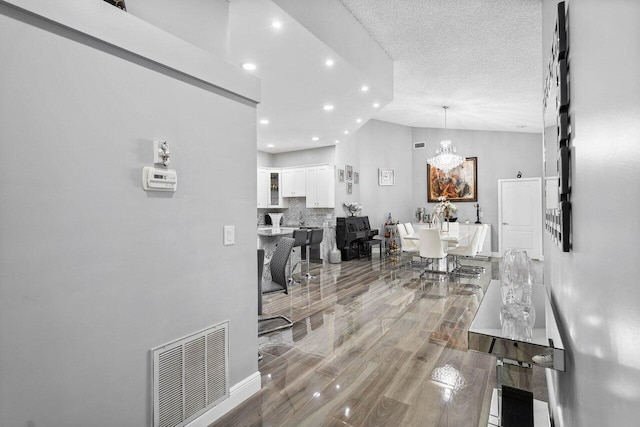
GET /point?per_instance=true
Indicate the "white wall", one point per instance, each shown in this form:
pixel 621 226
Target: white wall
pixel 264 159
pixel 305 157
pixel 595 287
pixel 500 155
pixel 94 271
pixel 377 145
pixel 203 23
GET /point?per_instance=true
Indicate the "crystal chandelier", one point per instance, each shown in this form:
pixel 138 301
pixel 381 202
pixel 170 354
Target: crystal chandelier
pixel 446 157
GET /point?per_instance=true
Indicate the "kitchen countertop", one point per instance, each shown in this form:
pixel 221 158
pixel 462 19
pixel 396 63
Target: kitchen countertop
pixel 270 231
pixel 284 229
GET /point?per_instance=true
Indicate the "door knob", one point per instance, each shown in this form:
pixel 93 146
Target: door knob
pixel 505 223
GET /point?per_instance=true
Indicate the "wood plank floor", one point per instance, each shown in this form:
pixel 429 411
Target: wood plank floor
pixel 367 335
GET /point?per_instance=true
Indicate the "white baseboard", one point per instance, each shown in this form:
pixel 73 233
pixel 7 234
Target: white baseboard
pixel 237 394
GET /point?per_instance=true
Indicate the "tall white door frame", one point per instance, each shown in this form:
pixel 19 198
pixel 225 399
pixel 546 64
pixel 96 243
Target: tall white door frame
pixel 520 216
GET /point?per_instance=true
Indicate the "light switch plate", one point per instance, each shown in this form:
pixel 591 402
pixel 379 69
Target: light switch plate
pixel 229 235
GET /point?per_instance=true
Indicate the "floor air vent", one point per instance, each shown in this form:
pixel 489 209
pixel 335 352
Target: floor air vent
pixel 190 376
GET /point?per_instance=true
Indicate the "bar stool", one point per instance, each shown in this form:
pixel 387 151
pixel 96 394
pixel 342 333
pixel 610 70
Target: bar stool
pixel 315 238
pixel 300 238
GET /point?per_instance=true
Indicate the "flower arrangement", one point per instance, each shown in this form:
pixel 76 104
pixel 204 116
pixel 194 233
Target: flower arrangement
pixel 353 208
pixel 445 208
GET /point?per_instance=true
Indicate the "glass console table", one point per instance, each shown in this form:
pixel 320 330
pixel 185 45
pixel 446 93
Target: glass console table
pixel 517 348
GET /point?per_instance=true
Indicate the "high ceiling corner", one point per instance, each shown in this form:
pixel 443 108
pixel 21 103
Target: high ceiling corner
pixel 322 75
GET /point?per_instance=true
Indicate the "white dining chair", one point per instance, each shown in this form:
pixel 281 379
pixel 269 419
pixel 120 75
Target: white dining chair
pixel 432 249
pixel 411 246
pixel 409 228
pixel 470 250
pixel 475 269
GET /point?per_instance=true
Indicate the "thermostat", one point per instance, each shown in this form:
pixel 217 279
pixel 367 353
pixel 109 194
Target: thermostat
pixel 154 179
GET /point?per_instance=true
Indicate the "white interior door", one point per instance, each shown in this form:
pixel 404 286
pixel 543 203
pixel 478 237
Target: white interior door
pixel 520 215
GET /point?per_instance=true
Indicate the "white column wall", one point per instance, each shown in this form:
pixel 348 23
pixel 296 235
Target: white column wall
pixel 594 287
pixel 94 271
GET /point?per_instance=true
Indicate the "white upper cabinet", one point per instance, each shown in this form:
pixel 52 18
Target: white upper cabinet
pixel 263 188
pixel 320 187
pixel 270 188
pixel 294 182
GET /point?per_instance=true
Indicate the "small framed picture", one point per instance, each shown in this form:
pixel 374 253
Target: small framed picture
pixel 340 175
pixel 356 177
pixel 386 177
pixel 349 170
pixel 349 187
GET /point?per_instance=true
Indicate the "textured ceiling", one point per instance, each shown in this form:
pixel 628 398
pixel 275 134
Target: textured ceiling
pixel 482 58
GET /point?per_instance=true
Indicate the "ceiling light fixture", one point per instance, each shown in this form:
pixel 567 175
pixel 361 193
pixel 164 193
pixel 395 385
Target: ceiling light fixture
pixel 337 141
pixel 346 132
pixel 270 145
pixel 276 24
pixel 446 157
pixel 249 66
pixel 264 121
pixel 315 138
pixel 327 107
pixel 364 88
pixel 358 120
pixel 329 62
pixel 376 105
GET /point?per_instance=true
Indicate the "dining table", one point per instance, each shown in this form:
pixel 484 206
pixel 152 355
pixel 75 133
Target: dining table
pixel 452 241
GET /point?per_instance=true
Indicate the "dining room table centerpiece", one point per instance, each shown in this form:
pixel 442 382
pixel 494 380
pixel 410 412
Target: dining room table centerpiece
pixel 445 209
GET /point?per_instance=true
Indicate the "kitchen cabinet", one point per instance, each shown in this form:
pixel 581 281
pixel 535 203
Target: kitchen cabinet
pixel 294 182
pixel 320 188
pixel 270 188
pixel 263 188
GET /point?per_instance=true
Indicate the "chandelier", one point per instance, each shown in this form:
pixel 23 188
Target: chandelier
pixel 446 157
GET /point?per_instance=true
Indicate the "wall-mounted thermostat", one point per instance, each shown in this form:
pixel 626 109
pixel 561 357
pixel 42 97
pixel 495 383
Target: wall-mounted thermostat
pixel 154 179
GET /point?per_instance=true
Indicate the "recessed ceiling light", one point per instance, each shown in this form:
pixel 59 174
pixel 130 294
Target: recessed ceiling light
pixel 337 141
pixel 329 62
pixel 346 132
pixel 327 107
pixel 315 138
pixel 249 66
pixel 376 105
pixel 276 24
pixel 270 145
pixel 364 88
pixel 358 120
pixel 264 121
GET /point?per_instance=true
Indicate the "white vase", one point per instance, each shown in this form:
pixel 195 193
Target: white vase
pixel 275 220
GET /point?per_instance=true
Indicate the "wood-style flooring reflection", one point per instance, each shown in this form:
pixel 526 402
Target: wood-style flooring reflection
pixel 366 338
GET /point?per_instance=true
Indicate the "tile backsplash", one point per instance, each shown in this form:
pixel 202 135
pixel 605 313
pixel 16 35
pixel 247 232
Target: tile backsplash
pixel 297 214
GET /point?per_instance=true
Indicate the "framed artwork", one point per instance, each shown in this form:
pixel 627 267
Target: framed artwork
pixel 460 184
pixel 340 175
pixel 386 177
pixel 117 3
pixel 356 178
pixel 349 187
pixel 349 170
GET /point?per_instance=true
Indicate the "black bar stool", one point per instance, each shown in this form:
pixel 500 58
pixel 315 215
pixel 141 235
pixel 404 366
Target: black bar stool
pixel 315 238
pixel 300 238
